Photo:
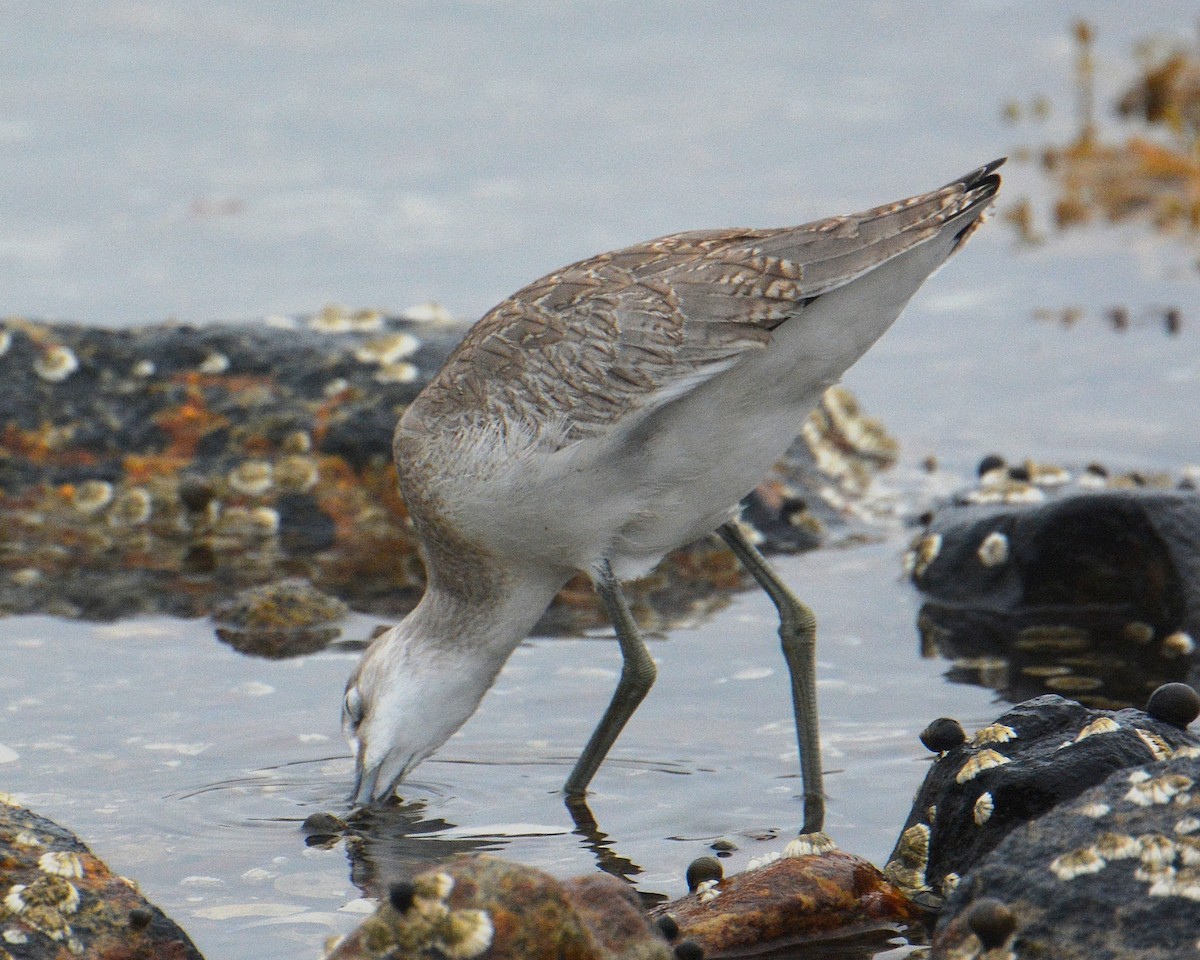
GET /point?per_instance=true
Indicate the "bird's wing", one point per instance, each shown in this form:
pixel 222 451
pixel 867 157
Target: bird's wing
pixel 622 333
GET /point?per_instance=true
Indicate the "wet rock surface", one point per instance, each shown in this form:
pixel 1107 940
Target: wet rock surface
pixel 790 900
pixel 1036 756
pixel 1092 592
pixel 484 906
pixel 1113 873
pixel 58 899
pixel 166 469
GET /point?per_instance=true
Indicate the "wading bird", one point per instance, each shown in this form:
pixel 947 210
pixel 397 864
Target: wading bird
pixel 607 414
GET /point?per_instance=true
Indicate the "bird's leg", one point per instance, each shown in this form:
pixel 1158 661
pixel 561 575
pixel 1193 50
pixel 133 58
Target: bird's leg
pixel 637 676
pixel 798 636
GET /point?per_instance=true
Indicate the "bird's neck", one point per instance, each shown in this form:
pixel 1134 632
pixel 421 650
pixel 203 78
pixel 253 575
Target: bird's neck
pixel 483 622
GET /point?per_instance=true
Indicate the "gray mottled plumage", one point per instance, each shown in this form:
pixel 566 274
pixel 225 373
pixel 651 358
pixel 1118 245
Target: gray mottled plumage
pixel 630 330
pixel 608 413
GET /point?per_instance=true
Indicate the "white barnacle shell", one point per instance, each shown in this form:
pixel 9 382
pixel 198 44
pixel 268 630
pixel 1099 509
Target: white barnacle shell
pixel 266 519
pixel 706 891
pixel 131 508
pixel 143 369
pixel 1077 863
pixel 388 349
pixel 431 312
pixel 924 551
pixel 984 807
pixel 1137 632
pixel 979 762
pixel 331 319
pixel 1156 850
pixel 1178 644
pixel 26 838
pixel 56 363
pixel 297 472
pixel 1186 883
pixel 1118 846
pixel 1158 790
pixel 466 934
pixel 26 576
pixel 1098 726
pixel 1187 825
pixel 1095 810
pixel 1189 850
pixel 809 844
pixel 13 901
pixel 757 863
pixel 61 863
pixel 15 936
pixel 402 372
pixel 993 733
pixel 1138 776
pixel 92 496
pixel 252 477
pixel 993 549
pixel 214 363
pixel 433 886
pixel 949 883
pixel 1158 747
pixel 914 843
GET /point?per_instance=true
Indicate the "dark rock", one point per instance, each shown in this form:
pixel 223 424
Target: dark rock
pixel 1112 874
pixel 322 825
pixel 1041 753
pixel 1092 595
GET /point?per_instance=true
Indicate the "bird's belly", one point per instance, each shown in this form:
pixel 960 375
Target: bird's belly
pixel 634 499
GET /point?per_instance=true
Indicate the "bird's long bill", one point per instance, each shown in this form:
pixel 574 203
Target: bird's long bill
pixel 378 783
pixel 365 782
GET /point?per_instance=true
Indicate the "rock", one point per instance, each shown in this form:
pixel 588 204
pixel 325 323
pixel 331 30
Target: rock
pixel 1094 595
pixel 57 899
pixel 483 906
pixel 1112 874
pixel 789 900
pixel 282 619
pixel 162 469
pixel 1038 755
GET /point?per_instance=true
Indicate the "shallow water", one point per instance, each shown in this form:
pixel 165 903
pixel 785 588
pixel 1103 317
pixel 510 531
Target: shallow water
pixel 185 159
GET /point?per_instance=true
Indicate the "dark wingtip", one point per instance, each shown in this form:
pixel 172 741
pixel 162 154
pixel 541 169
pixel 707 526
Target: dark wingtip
pixel 984 177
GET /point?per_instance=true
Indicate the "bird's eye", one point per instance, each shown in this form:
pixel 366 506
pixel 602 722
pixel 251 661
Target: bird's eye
pixel 353 706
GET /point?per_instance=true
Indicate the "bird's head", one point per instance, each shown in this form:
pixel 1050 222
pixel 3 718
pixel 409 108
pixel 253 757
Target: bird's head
pixel 404 700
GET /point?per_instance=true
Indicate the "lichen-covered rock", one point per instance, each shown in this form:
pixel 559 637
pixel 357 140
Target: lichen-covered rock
pixel 482 906
pixel 58 900
pixel 1113 874
pixel 1009 773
